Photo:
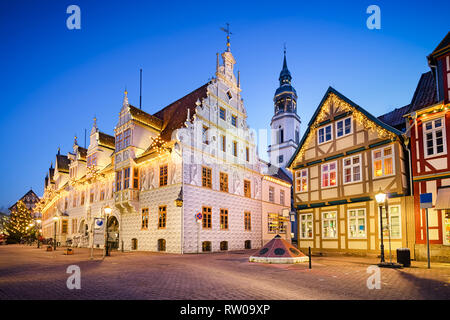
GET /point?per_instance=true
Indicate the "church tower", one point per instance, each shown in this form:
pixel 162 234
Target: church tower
pixel 285 124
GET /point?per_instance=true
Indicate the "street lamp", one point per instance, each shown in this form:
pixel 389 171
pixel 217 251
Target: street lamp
pixel 38 222
pixel 380 197
pixel 54 239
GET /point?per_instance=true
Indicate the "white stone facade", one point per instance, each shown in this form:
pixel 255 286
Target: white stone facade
pixel 169 168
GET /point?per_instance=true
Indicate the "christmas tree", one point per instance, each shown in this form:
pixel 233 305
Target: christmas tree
pixel 20 225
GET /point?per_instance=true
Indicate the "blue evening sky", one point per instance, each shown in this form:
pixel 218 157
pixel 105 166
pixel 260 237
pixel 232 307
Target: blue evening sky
pixel 54 80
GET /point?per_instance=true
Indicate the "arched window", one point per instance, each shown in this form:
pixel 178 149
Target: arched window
pixel 224 245
pixel 280 135
pixel 206 246
pixel 248 244
pixel 161 244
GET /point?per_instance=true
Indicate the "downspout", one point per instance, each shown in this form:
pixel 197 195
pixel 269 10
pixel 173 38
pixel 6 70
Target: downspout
pixel 406 142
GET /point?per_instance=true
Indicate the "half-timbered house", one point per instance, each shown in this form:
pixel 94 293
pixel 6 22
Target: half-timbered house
pixel 345 157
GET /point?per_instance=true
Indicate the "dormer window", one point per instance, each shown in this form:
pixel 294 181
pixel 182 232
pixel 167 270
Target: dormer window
pixel 325 134
pixel 343 127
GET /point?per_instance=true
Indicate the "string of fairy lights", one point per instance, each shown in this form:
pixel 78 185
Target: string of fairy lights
pixel 334 101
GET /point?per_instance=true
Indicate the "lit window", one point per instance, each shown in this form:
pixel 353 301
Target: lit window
pixel 272 222
pixel 223 182
pixel 357 223
pixel 206 177
pixel 223 219
pixel 247 189
pixel 136 178
pixel 224 143
pixel 118 180
pixel 144 221
pixel 343 127
pixel 434 137
pixel 126 178
pixel 325 134
pixel 301 180
pixel 306 226
pixel 329 225
pixel 394 225
pixel 247 221
pixel 383 162
pixel 206 220
pixel 163 175
pixel 162 217
pixel 64 226
pixel 205 134
pixel 352 169
pixel 329 175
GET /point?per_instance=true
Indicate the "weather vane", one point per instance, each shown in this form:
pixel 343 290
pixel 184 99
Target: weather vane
pixel 228 32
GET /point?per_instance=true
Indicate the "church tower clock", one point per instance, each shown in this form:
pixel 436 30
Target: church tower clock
pixel 285 124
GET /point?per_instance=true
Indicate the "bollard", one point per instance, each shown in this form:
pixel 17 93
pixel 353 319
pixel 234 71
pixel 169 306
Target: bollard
pixel 309 255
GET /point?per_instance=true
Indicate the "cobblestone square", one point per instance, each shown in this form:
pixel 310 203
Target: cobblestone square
pixel 30 273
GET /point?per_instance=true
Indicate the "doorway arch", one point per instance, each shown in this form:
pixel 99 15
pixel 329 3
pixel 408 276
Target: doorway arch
pixel 112 228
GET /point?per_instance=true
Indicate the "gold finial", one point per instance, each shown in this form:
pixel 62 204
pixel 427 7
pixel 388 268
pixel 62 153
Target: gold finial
pixel 228 32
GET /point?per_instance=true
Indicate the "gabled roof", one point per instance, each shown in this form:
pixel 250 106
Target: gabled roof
pixel 62 163
pixel 83 152
pixel 425 94
pixel 351 103
pixel 145 118
pixel 395 117
pixel 174 115
pixel 31 196
pixel 445 43
pixel 105 140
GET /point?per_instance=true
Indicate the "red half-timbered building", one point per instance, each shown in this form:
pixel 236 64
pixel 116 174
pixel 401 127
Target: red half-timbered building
pixel 429 129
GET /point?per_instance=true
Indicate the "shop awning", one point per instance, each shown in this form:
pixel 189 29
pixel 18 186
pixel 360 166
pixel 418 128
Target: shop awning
pixel 443 199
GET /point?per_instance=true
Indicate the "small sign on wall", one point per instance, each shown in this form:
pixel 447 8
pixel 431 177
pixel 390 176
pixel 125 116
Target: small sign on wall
pixel 426 200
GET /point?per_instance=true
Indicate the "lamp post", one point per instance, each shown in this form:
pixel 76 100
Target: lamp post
pixel 54 239
pixel 380 197
pixel 107 210
pixel 38 223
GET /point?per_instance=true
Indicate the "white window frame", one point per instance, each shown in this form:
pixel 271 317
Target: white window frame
pixel 324 132
pixel 336 175
pixel 390 222
pixel 383 157
pixel 304 218
pixel 357 217
pixel 298 180
pixel 343 127
pixel 323 226
pixel 352 169
pixel 433 131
